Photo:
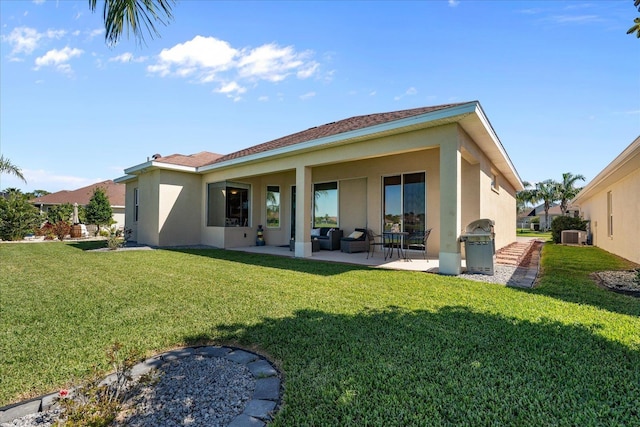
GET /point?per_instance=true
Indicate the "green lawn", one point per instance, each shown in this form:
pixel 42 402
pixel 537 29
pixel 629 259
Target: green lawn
pixel 356 346
pixel 543 235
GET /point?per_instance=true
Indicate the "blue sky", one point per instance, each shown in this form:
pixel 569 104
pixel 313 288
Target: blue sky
pixel 558 80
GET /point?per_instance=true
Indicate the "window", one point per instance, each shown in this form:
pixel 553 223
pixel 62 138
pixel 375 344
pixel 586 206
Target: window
pixel 227 204
pixel 135 204
pixel 609 214
pixel 273 206
pixel 325 201
pixel 494 181
pixel 405 202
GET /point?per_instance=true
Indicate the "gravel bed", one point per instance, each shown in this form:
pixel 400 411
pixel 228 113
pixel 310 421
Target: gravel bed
pixel 620 281
pixel 192 391
pixel 501 275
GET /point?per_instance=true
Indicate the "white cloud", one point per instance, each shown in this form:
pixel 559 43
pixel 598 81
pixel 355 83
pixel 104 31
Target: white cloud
pixel 231 88
pixel 95 33
pixel 58 58
pixel 274 63
pixel 575 19
pixel 43 179
pixel 453 3
pixel 127 57
pixel 308 95
pixel 210 60
pixel 25 40
pixel 202 54
pixel 409 92
pixel 263 98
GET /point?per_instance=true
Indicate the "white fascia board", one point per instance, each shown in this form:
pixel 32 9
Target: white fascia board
pixel 358 133
pixel 124 179
pixel 609 171
pixel 487 125
pixel 158 165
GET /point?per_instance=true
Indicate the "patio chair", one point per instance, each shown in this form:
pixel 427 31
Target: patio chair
pixel 355 242
pixel 418 241
pixel 374 240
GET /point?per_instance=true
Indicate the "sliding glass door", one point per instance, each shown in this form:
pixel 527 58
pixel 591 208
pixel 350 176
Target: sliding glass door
pixel 404 198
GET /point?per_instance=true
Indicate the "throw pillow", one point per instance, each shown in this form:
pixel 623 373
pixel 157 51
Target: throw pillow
pixel 356 235
pixel 315 232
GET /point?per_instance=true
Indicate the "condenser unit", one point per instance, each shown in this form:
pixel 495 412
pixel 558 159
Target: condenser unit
pixel 574 237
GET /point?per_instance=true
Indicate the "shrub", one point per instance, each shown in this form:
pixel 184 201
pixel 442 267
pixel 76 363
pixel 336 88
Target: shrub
pixel 58 213
pixel 46 230
pixel 17 217
pixel 61 229
pixel 561 223
pixel 97 402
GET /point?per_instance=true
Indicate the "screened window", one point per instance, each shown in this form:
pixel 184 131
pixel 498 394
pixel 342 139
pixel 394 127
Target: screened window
pixel 325 198
pixel 405 202
pixel 227 204
pixel 609 214
pixel 273 206
pixel 135 204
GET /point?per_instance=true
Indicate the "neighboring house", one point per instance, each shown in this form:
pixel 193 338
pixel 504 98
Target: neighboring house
pixel 611 204
pixel 433 167
pixel 524 219
pixel 115 192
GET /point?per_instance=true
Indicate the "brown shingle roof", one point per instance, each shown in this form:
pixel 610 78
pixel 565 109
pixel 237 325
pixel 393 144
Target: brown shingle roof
pixel 192 160
pixel 334 128
pixel 81 196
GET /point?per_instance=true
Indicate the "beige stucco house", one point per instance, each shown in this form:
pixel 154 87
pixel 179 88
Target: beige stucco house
pixel 433 167
pixel 611 203
pixel 114 191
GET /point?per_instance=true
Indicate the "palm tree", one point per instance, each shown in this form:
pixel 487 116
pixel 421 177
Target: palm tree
pixel 546 191
pixel 567 189
pixel 523 197
pixel 7 167
pixel 135 15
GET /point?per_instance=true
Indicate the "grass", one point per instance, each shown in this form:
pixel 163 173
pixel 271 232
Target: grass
pixel 357 346
pixel 544 235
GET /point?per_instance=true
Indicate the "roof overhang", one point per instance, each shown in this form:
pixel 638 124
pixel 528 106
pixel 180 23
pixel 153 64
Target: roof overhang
pixel 627 162
pixel 469 116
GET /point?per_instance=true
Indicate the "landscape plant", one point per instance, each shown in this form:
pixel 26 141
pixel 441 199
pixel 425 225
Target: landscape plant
pixel 62 212
pixel 61 229
pixel 356 345
pixel 95 401
pixel 17 217
pixel 98 211
pixel 561 223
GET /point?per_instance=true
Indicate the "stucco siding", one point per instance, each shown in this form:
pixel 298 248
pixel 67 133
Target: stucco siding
pixel 179 209
pixel 625 240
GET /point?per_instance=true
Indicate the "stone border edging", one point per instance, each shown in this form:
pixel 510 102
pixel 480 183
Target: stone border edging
pixel 258 410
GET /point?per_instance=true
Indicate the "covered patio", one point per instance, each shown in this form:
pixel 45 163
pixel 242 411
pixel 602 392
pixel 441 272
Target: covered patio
pixel 414 261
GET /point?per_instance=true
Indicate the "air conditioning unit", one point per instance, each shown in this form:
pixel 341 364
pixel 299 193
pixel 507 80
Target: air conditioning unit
pixel 574 237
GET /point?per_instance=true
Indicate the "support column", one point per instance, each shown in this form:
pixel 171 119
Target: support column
pixel 450 208
pixel 304 193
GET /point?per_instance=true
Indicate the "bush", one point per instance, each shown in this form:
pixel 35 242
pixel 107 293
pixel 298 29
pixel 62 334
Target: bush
pixel 46 230
pixel 17 217
pixel 61 229
pixel 561 223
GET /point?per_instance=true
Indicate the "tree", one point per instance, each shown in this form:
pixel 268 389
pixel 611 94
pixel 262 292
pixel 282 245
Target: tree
pixel 37 193
pixel 523 198
pixel 99 211
pixel 636 22
pixel 547 192
pixel 135 15
pixel 567 189
pixel 59 213
pixel 18 217
pixel 9 168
